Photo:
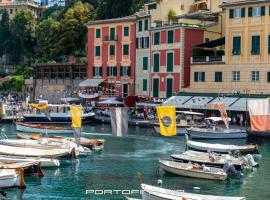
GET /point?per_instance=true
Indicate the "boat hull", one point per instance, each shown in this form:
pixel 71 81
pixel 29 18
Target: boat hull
pixel 28 129
pixel 191 173
pixel 202 134
pixel 12 179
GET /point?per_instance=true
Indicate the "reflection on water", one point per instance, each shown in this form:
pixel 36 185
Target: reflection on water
pixel 122 158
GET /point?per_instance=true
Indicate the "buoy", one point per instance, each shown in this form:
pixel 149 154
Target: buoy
pixel 196 188
pixel 159 182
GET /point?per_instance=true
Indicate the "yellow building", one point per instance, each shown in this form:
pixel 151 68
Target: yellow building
pixel 245 68
pixel 14 6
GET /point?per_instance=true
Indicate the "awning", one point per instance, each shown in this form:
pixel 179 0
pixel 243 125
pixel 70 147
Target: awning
pixel 111 102
pixel 91 82
pixel 213 43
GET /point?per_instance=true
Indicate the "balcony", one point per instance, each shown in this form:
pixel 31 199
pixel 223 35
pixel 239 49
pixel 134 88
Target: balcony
pixel 110 39
pixel 207 60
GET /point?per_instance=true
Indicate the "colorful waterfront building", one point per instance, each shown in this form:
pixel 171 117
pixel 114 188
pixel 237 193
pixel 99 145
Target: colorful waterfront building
pixel 111 54
pixel 171 49
pixel 143 53
pixel 245 67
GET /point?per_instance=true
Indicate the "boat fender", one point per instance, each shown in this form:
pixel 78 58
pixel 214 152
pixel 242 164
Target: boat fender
pixel 251 161
pixel 73 154
pixel 21 174
pixel 229 168
pixel 159 182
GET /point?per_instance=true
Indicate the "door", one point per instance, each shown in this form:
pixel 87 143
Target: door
pixel 125 90
pixel 169 87
pixel 155 87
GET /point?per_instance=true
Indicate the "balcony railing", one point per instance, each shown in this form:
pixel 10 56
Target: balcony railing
pixel 110 38
pixel 207 59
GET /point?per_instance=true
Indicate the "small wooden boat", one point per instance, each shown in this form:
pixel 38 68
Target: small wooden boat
pixel 34 152
pixel 215 160
pixel 29 168
pixel 45 162
pixel 220 148
pixel 10 178
pixel 92 144
pixel 192 170
pixel 45 129
pixel 156 193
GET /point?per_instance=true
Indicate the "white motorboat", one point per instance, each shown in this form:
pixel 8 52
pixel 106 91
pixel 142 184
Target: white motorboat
pixel 10 178
pixel 192 170
pixel 156 193
pixel 220 148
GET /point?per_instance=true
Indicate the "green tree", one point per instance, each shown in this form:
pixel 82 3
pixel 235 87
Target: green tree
pixel 72 33
pixel 46 34
pixel 56 12
pixel 171 15
pixel 4 33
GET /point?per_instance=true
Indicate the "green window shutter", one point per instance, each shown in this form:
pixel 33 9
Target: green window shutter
pixel 97 50
pixel 126 31
pixel 236 46
pixel 231 13
pixel 268 44
pixel 108 71
pixel 155 87
pixel 170 37
pixel 243 12
pixel 126 49
pixel 170 62
pixel 121 71
pixel 140 25
pixel 203 76
pixel 268 77
pixel 115 71
pixel 156 38
pixel 249 12
pixel 146 25
pixel 112 50
pixel 144 84
pixel 195 76
pixel 97 33
pixel 169 87
pixel 145 63
pixel 156 62
pixel 112 34
pixel 147 42
pixel 100 71
pixel 128 71
pixel 263 11
pixel 94 71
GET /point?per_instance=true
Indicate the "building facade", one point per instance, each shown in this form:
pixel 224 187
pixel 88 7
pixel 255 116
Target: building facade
pixel 171 50
pixel 245 68
pixel 111 54
pixel 143 53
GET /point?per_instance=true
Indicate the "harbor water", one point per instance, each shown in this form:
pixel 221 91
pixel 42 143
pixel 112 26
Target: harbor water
pixel 116 167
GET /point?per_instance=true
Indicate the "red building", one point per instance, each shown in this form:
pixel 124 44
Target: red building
pixel 111 54
pixel 171 49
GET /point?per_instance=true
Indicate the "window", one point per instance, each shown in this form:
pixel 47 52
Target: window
pixel 111 71
pixel 147 42
pixel 145 63
pixel 206 40
pixel 237 13
pixel 137 43
pixel 140 26
pixel 170 62
pixel 125 71
pixel 218 76
pixel 236 76
pixel 268 77
pixel 152 6
pixel 98 33
pixel 156 38
pixel 236 45
pixel 199 76
pixel 112 50
pixel 112 33
pixel 256 11
pixel 268 44
pixel 146 25
pixel 97 51
pixel 142 43
pixel 97 71
pixel 255 75
pixel 144 84
pixel 126 31
pixel 156 62
pixel 125 49
pixel 255 49
pixel 170 37
pixel 11 11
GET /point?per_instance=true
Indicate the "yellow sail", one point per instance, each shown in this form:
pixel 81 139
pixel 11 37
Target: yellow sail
pixel 167 120
pixel 76 115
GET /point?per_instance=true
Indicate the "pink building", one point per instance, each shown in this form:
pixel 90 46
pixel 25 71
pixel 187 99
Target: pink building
pixel 111 54
pixel 171 49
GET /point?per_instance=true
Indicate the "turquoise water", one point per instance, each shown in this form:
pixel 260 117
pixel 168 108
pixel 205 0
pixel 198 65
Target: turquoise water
pixel 115 169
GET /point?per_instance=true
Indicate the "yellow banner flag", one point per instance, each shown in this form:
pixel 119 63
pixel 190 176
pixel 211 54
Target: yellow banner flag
pixel 40 107
pixel 76 115
pixel 167 120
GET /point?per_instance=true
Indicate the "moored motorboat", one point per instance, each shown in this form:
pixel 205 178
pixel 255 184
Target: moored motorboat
pixel 156 193
pixel 39 128
pixel 192 170
pixel 220 148
pixel 45 162
pixel 10 178
pixel 208 159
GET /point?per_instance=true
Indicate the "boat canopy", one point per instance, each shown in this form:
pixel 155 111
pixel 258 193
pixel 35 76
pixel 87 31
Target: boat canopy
pixel 216 119
pixel 91 82
pixel 111 102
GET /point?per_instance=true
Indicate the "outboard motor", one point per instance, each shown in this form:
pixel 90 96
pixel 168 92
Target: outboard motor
pixel 229 168
pixel 251 161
